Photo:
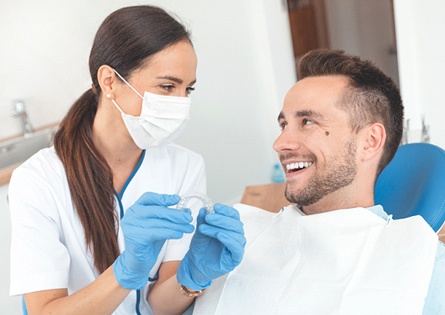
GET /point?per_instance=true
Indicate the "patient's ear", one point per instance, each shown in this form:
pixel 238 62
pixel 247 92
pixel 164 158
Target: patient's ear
pixel 373 138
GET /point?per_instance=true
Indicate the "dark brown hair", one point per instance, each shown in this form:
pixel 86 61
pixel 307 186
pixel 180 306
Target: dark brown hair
pixel 371 97
pixel 125 41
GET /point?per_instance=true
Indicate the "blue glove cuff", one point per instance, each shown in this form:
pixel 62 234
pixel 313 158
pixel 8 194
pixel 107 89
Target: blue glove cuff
pixel 127 278
pixel 184 278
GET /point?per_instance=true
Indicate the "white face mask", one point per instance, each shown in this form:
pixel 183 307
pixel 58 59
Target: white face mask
pixel 162 118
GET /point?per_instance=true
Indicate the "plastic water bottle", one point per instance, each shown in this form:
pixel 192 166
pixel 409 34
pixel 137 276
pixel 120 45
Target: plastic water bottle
pixel 277 174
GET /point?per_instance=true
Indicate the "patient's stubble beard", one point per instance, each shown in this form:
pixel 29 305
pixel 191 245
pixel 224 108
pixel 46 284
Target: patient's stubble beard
pixel 340 172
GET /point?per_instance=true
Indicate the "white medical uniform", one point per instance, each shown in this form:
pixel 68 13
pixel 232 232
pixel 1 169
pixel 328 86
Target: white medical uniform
pixel 48 242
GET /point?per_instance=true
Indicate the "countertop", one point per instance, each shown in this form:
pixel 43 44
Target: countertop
pixel 5 173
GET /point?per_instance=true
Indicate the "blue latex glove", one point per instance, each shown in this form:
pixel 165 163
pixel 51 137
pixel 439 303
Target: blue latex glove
pixel 146 226
pixel 216 248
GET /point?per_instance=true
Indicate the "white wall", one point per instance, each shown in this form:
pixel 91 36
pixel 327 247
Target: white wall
pixel 420 26
pixel 8 305
pixel 245 66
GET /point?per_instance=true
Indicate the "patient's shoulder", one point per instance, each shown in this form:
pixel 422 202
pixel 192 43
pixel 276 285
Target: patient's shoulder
pixel 440 256
pixel 435 300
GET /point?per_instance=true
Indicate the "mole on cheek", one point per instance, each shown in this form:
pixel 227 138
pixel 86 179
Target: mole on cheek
pixel 326 133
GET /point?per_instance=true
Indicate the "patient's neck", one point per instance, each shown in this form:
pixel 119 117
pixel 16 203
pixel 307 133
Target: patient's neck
pixel 335 201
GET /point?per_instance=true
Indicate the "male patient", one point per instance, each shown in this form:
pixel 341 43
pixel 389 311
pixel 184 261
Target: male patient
pixel 333 251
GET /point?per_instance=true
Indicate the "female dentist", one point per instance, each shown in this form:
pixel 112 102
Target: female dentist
pixel 93 225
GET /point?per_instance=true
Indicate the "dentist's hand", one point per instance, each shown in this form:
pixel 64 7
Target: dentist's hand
pixel 216 248
pixel 146 226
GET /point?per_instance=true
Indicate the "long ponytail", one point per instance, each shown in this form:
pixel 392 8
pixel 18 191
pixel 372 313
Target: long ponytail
pixel 90 180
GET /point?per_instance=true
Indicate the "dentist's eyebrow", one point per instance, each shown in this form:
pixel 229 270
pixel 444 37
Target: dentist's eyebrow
pixel 174 79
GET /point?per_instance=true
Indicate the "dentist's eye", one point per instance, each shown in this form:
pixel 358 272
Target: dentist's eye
pixel 283 125
pixel 190 89
pixel 167 87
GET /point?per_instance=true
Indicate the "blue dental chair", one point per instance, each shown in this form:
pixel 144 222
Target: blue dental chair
pixel 413 183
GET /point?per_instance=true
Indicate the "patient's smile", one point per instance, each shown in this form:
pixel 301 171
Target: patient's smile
pixel 293 167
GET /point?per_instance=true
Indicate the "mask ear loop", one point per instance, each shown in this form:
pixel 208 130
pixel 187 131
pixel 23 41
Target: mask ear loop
pixel 207 203
pixel 122 78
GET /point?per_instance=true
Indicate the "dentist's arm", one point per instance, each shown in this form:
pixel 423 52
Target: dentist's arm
pixel 102 296
pixel 146 226
pixel 165 297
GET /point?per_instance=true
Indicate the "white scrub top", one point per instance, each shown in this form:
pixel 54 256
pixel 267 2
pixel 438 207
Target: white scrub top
pixel 48 242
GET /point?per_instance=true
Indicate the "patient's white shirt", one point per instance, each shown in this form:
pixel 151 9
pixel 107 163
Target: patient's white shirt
pixel 349 261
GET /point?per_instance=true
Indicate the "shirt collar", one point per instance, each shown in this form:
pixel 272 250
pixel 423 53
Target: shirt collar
pixel 377 210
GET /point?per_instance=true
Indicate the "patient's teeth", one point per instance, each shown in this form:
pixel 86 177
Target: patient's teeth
pixel 297 165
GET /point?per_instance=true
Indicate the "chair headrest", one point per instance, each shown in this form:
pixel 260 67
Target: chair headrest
pixel 413 183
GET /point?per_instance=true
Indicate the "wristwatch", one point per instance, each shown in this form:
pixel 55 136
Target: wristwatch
pixel 187 292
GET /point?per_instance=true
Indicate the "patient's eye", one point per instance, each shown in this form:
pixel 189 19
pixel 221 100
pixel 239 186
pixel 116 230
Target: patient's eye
pixel 282 124
pixel 307 121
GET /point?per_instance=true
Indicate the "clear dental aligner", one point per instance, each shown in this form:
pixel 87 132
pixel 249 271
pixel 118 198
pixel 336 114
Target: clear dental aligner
pixel 206 202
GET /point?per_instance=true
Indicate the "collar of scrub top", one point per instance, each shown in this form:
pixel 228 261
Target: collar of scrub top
pixel 119 196
pixel 121 215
